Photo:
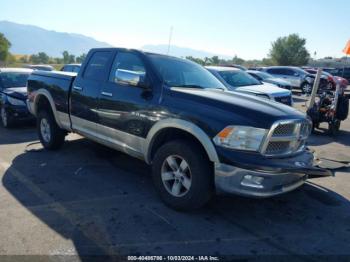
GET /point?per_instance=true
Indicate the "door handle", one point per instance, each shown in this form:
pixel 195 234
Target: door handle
pixel 106 94
pixel 78 88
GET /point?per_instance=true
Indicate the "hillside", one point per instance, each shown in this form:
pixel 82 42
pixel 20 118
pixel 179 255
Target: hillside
pixel 181 51
pixel 28 39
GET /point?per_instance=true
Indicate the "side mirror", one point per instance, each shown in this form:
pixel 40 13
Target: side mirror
pixel 132 78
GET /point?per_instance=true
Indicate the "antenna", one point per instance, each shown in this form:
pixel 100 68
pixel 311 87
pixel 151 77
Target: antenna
pixel 170 37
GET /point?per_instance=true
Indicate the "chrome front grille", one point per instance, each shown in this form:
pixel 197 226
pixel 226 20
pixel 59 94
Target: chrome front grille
pixel 286 137
pixel 284 130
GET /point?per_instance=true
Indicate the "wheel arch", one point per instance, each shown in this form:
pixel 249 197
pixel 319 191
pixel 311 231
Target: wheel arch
pixel 187 128
pixel 44 95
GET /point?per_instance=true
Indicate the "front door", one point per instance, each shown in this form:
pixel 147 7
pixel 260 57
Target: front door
pixel 126 108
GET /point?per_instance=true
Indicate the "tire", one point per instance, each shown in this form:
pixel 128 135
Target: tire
pixel 6 120
pixel 342 108
pixel 196 189
pixel 334 127
pixel 306 88
pixel 50 134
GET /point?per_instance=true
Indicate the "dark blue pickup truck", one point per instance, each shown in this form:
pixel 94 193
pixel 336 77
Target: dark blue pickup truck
pixel 199 137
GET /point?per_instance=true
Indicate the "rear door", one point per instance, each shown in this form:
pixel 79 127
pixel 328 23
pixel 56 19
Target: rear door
pixel 292 76
pixel 86 91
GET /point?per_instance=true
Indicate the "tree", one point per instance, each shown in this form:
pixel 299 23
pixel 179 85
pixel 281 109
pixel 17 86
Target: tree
pixel 71 59
pixel 289 50
pixel 196 60
pixel 65 57
pixel 40 58
pixel 43 58
pixel 237 60
pixel 215 60
pixel 34 59
pixel 80 59
pixel 4 48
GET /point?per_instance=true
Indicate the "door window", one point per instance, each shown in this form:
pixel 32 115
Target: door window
pixel 275 71
pixel 97 66
pixel 127 69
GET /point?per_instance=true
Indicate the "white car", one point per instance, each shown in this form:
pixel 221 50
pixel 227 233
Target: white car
pixel 240 81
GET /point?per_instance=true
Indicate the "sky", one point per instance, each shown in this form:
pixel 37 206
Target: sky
pixel 228 27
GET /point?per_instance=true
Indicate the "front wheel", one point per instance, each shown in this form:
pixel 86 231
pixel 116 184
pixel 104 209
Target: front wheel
pixel 6 120
pixel 183 175
pixel 50 134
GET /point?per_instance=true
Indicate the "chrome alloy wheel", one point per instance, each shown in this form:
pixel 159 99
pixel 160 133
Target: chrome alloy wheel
pixel 307 88
pixel 45 130
pixel 176 175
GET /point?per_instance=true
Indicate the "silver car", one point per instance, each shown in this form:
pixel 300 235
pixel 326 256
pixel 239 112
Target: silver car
pixel 240 81
pixel 295 75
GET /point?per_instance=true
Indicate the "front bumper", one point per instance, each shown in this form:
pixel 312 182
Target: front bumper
pixel 266 181
pixel 19 113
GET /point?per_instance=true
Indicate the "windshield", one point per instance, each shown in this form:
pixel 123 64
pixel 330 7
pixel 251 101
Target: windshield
pixel 264 75
pixel 238 78
pixel 13 79
pixel 177 72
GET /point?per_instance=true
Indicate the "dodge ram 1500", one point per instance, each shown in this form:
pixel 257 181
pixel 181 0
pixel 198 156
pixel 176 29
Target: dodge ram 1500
pixel 199 137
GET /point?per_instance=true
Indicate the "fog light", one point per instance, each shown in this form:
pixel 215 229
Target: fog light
pixel 252 181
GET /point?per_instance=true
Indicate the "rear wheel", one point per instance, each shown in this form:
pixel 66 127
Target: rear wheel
pixel 50 134
pixel 6 120
pixel 183 175
pixel 306 88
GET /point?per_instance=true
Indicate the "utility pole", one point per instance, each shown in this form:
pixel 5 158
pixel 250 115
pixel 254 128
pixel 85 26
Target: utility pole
pixel 170 37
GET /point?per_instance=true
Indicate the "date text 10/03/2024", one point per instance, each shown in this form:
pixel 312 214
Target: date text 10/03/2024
pixel 173 258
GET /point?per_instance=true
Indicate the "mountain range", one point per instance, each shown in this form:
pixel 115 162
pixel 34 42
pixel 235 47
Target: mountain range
pixel 181 51
pixel 29 39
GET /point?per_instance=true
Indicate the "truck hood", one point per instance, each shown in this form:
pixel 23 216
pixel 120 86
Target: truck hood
pixel 16 92
pixel 264 88
pixel 233 107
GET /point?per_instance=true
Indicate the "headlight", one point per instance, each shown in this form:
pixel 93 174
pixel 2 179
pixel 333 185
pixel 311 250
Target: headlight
pixel 15 102
pixel 241 137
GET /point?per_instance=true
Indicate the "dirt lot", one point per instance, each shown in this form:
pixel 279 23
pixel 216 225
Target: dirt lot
pixel 88 199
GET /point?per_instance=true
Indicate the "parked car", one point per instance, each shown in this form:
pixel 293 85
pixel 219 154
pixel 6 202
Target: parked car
pixel 175 115
pixel 240 81
pixel 267 78
pixel 40 67
pixel 13 96
pixel 342 81
pixel 331 82
pixel 71 68
pixel 298 77
pixel 236 66
pixel 341 72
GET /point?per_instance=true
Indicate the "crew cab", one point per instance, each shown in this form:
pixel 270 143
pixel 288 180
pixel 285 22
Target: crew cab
pixel 199 137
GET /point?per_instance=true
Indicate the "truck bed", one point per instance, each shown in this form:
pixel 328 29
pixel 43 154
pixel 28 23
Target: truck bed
pixel 57 83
